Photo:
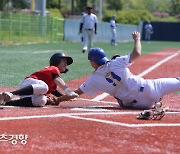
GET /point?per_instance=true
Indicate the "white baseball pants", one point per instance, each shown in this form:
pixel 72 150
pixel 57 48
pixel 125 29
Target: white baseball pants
pixel 154 90
pixel 88 36
pixel 40 88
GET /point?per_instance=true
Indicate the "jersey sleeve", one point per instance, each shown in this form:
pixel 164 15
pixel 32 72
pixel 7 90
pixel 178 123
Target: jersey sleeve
pixel 82 19
pixel 123 61
pixel 55 72
pixel 88 87
pixel 96 21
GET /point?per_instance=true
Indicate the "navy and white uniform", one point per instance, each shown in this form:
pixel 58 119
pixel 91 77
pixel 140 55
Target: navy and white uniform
pixel 115 78
pixel 88 21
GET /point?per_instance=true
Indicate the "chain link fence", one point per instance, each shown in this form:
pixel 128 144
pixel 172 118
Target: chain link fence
pixel 23 28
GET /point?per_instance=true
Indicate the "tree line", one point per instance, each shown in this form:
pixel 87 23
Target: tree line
pixel 127 11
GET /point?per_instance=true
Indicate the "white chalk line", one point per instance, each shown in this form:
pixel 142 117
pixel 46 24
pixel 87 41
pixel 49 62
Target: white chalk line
pixel 92 100
pixel 128 125
pixel 64 115
pixel 104 95
pixel 76 116
pixel 90 109
pixel 100 97
pixel 158 64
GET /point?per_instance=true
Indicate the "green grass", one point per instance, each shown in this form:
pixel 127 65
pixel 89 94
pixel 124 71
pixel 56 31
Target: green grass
pixel 18 61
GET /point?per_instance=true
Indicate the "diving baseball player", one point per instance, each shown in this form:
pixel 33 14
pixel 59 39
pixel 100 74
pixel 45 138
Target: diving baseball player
pixel 35 87
pixel 89 26
pixel 114 77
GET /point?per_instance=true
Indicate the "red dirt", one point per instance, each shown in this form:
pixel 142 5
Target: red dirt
pixel 57 132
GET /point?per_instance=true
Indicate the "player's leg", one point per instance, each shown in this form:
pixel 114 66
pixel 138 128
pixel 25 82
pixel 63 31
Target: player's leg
pixel 146 35
pixel 90 39
pixel 32 101
pixel 112 41
pixel 29 86
pixel 165 86
pixel 25 102
pixel 114 36
pixel 7 96
pixel 39 100
pixel 85 41
pixel 171 85
pixel 82 39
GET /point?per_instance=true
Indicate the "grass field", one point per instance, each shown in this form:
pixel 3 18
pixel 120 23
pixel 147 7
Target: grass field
pixel 18 61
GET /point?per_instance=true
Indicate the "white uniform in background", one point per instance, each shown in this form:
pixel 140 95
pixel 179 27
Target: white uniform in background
pixel 132 90
pixel 88 21
pixel 113 30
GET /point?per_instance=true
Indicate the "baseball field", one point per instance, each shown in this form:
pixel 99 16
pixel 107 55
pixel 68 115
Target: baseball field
pixel 88 124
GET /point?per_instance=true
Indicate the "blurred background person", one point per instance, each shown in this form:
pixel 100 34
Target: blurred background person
pixel 88 27
pixel 148 31
pixel 113 30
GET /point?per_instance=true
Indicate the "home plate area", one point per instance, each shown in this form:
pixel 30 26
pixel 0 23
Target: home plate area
pixel 92 126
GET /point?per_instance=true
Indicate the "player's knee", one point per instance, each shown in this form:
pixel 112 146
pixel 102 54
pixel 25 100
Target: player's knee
pixel 39 100
pixel 40 88
pixel 45 88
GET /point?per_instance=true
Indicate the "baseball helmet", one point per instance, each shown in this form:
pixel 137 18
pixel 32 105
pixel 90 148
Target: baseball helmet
pixel 56 59
pixel 98 56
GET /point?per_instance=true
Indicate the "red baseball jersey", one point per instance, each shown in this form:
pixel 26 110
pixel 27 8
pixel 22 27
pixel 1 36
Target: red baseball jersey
pixel 47 74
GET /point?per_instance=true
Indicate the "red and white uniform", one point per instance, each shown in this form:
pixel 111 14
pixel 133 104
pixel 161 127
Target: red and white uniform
pixel 43 83
pixel 134 91
pixel 46 74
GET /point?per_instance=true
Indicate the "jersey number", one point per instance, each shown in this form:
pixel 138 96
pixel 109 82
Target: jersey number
pixel 113 78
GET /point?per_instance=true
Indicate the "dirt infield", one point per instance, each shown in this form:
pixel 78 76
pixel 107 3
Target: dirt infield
pixel 89 125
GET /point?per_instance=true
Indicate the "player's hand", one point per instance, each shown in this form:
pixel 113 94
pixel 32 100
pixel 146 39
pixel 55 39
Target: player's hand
pixel 136 35
pixel 65 98
pixel 69 92
pixel 51 101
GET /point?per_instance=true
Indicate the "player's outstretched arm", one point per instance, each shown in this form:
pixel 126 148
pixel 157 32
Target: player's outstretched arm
pixel 137 46
pixel 60 83
pixel 67 98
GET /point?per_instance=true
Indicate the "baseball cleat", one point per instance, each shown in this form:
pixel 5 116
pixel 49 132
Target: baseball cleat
pixel 7 96
pixel 83 51
pixel 145 115
pixel 178 78
pixel 153 114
